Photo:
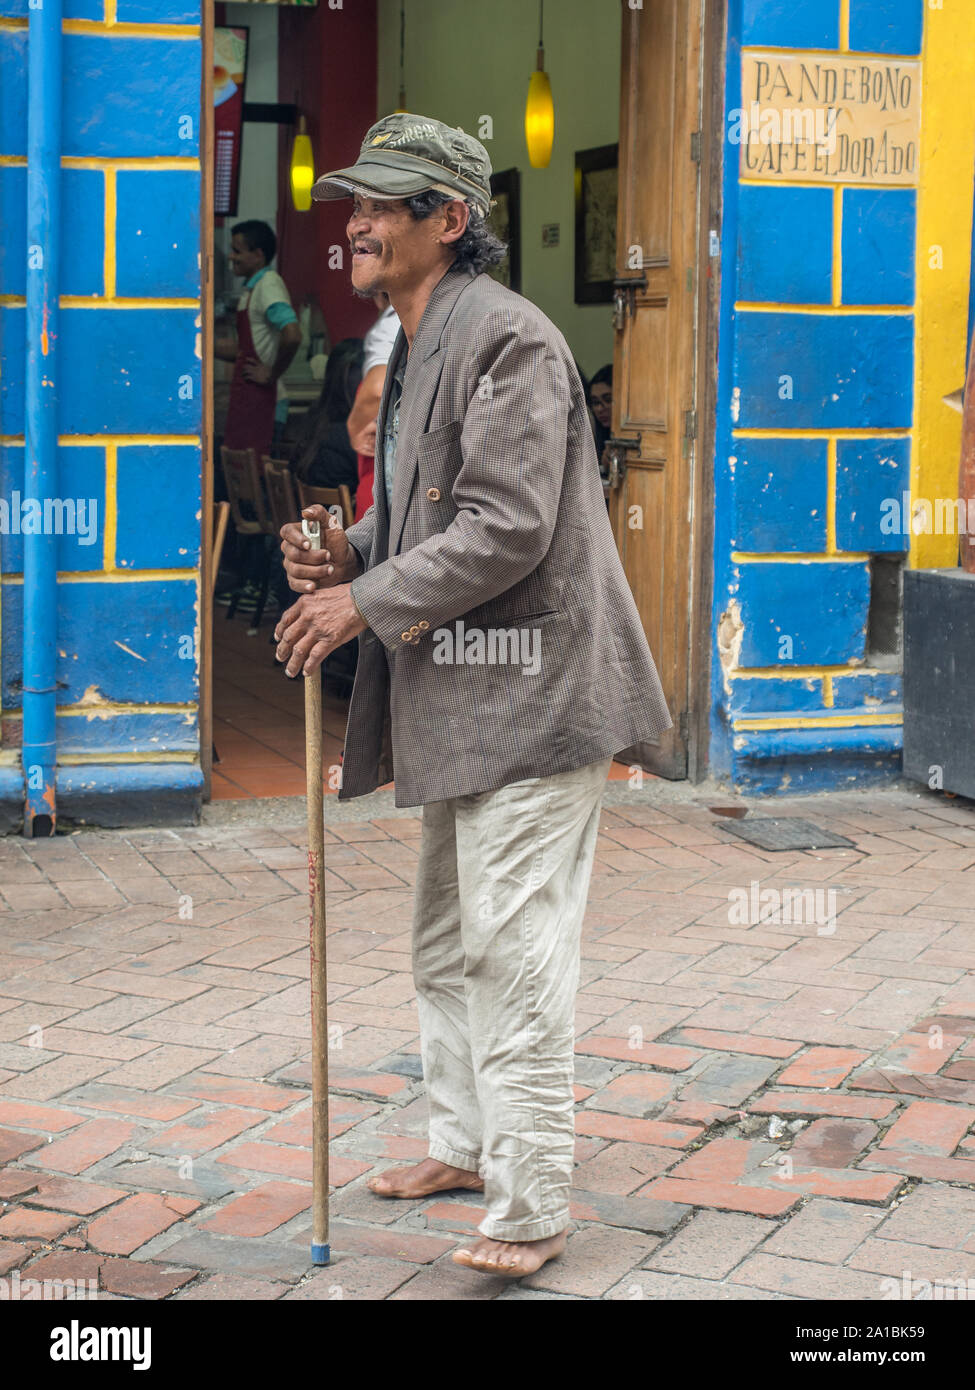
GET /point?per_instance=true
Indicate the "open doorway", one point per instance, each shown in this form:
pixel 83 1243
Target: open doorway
pixel 571 227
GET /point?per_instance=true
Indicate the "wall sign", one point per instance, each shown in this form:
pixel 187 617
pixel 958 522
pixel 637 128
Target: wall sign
pixel 229 71
pixel 828 118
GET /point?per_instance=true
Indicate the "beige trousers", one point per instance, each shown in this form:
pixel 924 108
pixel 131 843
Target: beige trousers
pixel 500 896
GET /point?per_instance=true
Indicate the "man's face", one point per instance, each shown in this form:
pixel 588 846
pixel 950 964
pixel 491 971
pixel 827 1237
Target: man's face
pixel 243 260
pixel 391 250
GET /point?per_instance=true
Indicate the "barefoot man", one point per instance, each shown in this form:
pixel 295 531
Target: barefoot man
pixel 502 663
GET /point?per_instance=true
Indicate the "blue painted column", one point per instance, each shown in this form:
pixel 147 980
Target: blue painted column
pixel 41 412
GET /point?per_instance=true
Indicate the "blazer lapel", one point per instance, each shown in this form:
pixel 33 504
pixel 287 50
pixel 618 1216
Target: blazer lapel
pixel 423 368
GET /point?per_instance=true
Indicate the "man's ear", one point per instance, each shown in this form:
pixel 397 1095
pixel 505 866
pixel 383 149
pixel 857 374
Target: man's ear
pixel 456 215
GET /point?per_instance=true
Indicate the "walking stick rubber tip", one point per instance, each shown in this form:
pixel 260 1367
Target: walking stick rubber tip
pixel 321 1254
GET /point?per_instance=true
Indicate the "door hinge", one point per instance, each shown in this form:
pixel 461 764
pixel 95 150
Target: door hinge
pixel 690 424
pixel 696 146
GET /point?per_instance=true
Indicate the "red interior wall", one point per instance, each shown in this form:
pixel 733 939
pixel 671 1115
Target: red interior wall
pixel 327 65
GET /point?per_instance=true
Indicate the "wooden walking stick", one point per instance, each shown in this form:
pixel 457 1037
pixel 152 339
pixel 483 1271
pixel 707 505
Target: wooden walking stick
pixel 320 1253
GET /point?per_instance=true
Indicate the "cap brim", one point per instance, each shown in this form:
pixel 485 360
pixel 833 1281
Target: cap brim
pixel 375 179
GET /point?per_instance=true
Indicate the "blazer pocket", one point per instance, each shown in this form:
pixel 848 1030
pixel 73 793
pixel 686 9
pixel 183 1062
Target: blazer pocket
pixel 439 460
pixel 436 441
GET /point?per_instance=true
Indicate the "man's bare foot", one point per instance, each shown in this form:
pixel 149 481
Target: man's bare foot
pixel 515 1258
pixel 422 1179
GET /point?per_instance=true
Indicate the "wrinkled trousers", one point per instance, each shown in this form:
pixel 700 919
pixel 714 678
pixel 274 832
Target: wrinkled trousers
pixel 501 892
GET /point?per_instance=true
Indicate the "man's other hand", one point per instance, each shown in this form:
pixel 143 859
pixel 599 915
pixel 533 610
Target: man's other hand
pixel 314 627
pixel 308 569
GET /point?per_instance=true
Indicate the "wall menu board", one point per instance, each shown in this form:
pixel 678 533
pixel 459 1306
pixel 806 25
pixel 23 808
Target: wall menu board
pixel 229 71
pixel 828 118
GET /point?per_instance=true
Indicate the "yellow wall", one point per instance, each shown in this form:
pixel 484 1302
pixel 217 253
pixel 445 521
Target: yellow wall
pixel 944 243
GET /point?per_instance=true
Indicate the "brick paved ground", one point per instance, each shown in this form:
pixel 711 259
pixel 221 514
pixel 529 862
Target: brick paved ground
pixel 766 1110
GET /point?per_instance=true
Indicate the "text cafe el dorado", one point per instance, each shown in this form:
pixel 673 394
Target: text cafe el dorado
pixel 811 119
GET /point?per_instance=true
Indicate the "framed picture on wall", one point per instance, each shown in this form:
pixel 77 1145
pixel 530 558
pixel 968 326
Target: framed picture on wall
pixel 505 220
pixel 596 183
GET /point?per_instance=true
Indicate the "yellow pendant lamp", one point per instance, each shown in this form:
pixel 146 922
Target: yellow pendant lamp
pixel 302 168
pixel 539 109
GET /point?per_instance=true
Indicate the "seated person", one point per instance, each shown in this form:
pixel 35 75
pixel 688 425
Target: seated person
pixel 324 456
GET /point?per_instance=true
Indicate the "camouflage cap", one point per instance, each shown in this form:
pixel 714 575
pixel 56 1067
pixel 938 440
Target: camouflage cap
pixel 405 154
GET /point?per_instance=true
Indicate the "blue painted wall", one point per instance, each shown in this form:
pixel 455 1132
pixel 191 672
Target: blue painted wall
pixel 815 409
pixel 130 397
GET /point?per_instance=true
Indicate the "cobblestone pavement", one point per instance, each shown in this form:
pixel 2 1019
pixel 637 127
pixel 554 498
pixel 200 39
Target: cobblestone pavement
pixel 768 1107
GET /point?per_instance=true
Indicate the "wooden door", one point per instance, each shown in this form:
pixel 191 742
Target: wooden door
pixel 655 316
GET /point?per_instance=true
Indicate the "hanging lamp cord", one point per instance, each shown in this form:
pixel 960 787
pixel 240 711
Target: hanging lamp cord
pixel 402 45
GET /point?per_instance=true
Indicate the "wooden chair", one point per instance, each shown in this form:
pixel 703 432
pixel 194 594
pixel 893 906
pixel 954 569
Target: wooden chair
pixel 281 500
pixel 340 496
pixel 218 534
pixel 243 479
pixel 249 513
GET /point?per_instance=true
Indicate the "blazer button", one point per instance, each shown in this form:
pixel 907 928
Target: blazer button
pixel 405 636
pixel 413 631
pixel 434 494
pixel 423 624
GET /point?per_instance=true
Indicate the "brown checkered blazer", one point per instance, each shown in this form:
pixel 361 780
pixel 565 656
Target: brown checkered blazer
pixel 498 522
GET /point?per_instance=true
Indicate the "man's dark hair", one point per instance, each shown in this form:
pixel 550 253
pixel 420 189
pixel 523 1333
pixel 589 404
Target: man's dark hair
pixel 259 237
pixel 478 248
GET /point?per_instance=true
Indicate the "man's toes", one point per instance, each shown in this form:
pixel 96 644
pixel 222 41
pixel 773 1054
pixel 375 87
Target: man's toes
pixel 483 1257
pixel 383 1186
pixel 500 1258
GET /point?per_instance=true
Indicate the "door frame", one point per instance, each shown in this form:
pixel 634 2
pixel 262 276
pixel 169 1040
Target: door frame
pixel 710 211
pixel 205 666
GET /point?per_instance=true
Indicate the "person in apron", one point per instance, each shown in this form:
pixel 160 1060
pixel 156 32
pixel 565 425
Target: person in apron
pixel 268 337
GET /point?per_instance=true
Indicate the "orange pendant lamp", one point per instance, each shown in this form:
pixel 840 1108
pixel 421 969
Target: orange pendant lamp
pixel 302 168
pixel 539 109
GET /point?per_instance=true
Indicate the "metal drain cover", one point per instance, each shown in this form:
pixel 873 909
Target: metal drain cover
pixel 765 832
